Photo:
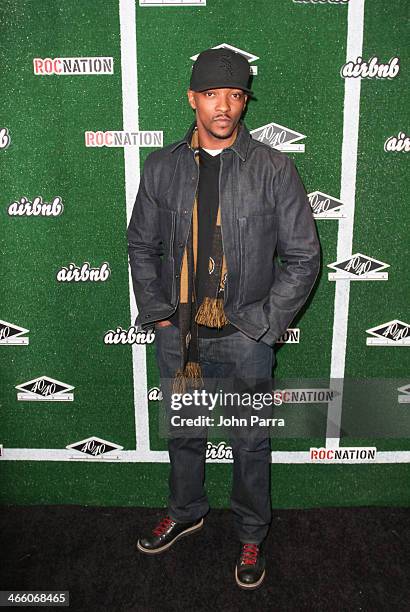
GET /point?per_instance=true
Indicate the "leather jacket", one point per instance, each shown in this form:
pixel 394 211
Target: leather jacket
pixel 264 208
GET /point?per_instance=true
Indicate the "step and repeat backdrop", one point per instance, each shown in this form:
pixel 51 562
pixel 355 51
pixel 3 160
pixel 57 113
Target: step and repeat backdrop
pixel 89 90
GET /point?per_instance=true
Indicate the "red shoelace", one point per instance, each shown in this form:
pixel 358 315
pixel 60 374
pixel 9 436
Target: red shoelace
pixel 163 526
pixel 249 553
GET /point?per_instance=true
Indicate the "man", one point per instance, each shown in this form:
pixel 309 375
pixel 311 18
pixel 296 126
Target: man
pixel 211 212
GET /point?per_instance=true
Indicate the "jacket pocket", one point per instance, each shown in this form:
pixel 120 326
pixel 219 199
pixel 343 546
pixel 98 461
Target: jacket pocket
pixel 168 282
pixel 167 221
pixel 257 244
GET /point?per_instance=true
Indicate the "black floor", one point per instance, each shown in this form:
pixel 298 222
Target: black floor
pixel 327 559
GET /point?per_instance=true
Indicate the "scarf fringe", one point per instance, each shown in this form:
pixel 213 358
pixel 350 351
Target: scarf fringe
pixel 211 313
pixel 191 376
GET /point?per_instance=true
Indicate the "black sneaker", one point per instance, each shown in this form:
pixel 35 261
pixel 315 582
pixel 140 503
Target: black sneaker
pixel 166 533
pixel 250 566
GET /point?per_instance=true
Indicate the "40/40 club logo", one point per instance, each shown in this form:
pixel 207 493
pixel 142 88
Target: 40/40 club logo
pixel 12 334
pixel 404 394
pixel 393 333
pixel 358 267
pixel 45 389
pixel 94 447
pixel 279 137
pixel 325 206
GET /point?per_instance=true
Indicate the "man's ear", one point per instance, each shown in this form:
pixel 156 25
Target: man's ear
pixel 191 99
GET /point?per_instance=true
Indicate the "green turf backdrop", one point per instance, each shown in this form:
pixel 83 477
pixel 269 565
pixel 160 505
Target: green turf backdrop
pixel 301 48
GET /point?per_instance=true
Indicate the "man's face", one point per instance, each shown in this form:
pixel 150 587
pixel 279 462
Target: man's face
pixel 218 111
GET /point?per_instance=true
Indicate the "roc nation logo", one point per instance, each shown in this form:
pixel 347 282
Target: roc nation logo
pixel 249 56
pixel 154 394
pixel 405 397
pixel 94 447
pixel 73 65
pixel 279 137
pixel 308 396
pixel 12 334
pixel 291 336
pixel 36 208
pixel 222 451
pixel 400 143
pixel 4 138
pixel 325 206
pixel 393 333
pixel 123 139
pixel 354 454
pixel 45 389
pixel 371 69
pixel 358 267
pixel 83 274
pixel 129 336
pixel 172 2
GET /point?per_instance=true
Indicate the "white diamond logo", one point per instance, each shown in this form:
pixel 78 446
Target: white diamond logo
pixel 46 389
pixel 11 334
pixel 94 447
pixel 358 267
pixel 325 206
pixel 279 137
pixel 392 333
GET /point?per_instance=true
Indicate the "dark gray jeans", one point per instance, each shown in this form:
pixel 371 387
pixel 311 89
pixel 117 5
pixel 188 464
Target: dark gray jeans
pixel 236 356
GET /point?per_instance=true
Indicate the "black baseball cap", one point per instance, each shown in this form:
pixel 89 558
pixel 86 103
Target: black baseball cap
pixel 215 68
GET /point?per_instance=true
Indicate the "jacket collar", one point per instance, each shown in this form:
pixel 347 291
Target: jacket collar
pixel 240 146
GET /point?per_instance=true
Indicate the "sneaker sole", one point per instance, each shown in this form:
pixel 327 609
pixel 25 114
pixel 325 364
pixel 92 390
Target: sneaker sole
pixel 243 585
pixel 155 551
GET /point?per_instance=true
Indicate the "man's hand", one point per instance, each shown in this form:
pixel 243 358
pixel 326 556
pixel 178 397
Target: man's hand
pixel 163 323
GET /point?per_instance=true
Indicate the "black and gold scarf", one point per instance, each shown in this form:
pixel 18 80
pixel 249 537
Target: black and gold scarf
pixel 210 312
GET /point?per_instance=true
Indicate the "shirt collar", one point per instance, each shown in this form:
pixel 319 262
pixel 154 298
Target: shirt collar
pixel 240 146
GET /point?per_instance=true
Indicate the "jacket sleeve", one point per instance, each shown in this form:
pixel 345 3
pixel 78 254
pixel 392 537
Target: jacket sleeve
pixel 298 248
pixel 145 250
